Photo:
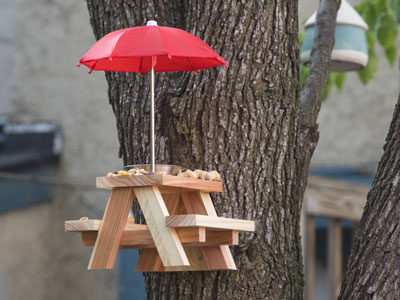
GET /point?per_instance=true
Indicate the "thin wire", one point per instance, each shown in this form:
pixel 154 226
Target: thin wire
pixel 47 180
pixel 42 179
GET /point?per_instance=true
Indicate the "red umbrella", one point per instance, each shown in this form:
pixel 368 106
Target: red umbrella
pixel 152 49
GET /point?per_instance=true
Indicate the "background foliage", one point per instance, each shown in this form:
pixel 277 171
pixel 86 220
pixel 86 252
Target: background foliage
pixel 383 19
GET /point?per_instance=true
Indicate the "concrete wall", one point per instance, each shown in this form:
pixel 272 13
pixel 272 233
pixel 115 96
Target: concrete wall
pixel 354 122
pixel 8 15
pixel 40 45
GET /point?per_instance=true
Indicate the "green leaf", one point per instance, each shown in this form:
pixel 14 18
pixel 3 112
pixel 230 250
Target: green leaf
pixel 361 7
pixel 371 18
pixel 302 34
pixel 387 31
pixel 380 5
pixel 340 78
pixel 303 74
pixel 390 53
pixel 369 71
pixel 370 42
pixel 328 86
pixel 369 14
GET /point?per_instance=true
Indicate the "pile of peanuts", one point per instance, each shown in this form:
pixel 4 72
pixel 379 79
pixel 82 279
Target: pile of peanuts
pixel 199 174
pixel 132 172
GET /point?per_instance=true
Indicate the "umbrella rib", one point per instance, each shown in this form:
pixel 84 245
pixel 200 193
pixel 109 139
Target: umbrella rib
pixel 92 68
pixel 193 69
pixel 140 66
pixel 190 61
pixel 164 43
pixel 115 44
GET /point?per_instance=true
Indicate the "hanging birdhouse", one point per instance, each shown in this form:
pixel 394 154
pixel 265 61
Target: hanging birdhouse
pixel 183 231
pixel 350 52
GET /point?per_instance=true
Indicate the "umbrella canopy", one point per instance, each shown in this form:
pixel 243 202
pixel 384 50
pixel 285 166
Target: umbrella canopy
pixel 152 49
pixel 131 49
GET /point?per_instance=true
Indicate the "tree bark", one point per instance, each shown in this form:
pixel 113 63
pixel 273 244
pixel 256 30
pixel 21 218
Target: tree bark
pixel 313 90
pixel 373 269
pixel 241 122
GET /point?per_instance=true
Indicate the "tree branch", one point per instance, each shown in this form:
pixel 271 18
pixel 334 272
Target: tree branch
pixel 317 80
pixel 315 85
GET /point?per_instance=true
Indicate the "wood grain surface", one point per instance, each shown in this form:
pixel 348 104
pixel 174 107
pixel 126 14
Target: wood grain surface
pixel 166 181
pixel 209 222
pixel 107 243
pixel 166 239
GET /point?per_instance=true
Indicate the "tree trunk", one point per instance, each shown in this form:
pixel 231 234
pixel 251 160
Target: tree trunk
pixel 373 270
pixel 241 122
pixel 315 85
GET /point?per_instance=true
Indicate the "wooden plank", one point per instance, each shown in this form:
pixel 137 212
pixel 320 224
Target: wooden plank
pixel 89 238
pixel 189 237
pixel 128 181
pixel 209 222
pixel 149 260
pixel 129 239
pixel 107 244
pixel 347 207
pixel 166 181
pixel 193 203
pixel 335 199
pixel 222 237
pixel 309 258
pixel 208 204
pixel 81 225
pixel 334 257
pixel 217 259
pixel 340 187
pixel 196 260
pixel 166 239
pixel 196 235
pixel 192 184
pixel 173 203
pixel 94 225
pixel 141 238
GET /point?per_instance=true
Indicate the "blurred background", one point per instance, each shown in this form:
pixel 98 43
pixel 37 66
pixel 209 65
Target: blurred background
pixel 57 133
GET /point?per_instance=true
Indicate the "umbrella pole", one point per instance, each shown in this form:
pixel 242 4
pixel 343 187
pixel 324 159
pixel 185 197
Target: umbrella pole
pixel 152 154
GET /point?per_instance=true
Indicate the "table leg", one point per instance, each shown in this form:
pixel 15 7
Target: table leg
pixel 166 239
pixel 218 257
pixel 108 240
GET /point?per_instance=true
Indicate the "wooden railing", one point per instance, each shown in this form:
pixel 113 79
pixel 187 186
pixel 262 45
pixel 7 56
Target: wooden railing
pixel 338 201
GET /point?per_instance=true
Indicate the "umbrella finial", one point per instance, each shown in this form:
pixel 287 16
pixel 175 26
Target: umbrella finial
pixel 151 23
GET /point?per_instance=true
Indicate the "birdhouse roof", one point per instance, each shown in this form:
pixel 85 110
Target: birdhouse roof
pixel 345 15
